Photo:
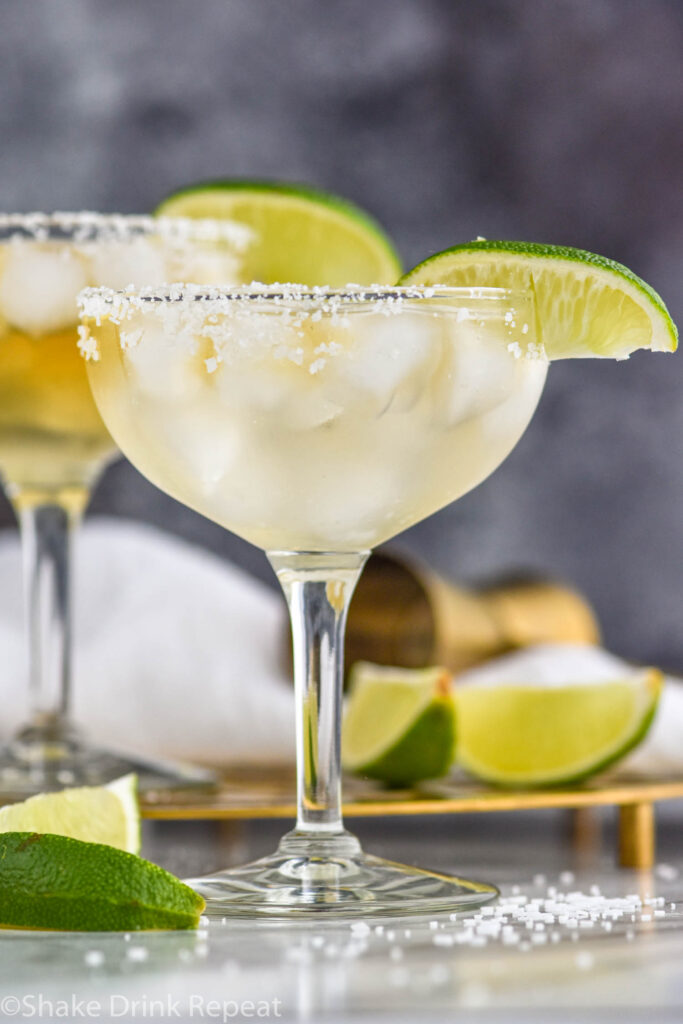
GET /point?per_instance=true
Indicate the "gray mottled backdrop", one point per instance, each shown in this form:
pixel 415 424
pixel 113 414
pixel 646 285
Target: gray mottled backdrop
pixel 553 120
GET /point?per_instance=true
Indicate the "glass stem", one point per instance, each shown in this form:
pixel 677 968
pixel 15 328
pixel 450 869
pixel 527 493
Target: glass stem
pixel 318 588
pixel 46 531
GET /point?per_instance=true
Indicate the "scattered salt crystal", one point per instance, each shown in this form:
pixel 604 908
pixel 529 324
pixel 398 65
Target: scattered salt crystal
pixel 137 954
pixel 567 877
pixel 391 935
pixel 94 958
pixel 666 872
pixel 539 880
pixel 360 928
pixel 433 925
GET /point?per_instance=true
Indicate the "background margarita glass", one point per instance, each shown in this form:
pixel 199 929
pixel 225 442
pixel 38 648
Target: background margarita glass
pixel 53 443
pixel 317 423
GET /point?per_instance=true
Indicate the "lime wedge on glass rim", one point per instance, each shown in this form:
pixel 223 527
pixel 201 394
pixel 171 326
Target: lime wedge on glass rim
pixel 399 725
pixel 57 883
pixel 587 305
pixel 547 734
pixel 95 814
pixel 301 235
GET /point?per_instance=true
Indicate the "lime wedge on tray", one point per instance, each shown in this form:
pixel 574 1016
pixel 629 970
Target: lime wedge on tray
pixel 399 725
pixel 96 814
pixel 302 235
pixel 587 305
pixel 548 734
pixel 53 882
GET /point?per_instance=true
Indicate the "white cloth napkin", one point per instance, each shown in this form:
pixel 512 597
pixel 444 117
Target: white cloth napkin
pixel 178 652
pixel 662 750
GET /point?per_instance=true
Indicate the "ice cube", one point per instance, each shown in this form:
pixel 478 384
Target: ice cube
pixel 476 374
pixel 164 366
pixel 38 288
pixel 258 386
pixel 206 441
pixel 383 359
pixel 309 409
pixel 139 262
pixel 261 363
pixel 207 265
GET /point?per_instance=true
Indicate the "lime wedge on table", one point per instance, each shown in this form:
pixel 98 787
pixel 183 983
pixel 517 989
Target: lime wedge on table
pixel 50 881
pixel 587 305
pixel 540 735
pixel 399 725
pixel 95 814
pixel 300 235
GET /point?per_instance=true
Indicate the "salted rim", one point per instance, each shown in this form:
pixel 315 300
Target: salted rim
pixel 89 226
pixel 103 302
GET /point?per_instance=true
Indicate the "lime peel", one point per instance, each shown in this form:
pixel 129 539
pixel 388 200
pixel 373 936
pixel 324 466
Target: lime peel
pixel 57 883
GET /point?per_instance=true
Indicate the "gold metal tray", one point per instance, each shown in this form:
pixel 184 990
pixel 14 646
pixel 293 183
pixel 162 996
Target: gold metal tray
pixel 250 793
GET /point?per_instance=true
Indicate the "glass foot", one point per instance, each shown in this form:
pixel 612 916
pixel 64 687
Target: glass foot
pixel 39 760
pixel 307 878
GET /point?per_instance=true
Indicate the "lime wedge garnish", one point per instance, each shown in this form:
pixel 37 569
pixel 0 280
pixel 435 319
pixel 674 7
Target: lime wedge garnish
pixel 587 305
pixel 50 881
pixel 540 735
pixel 399 725
pixel 95 814
pixel 300 235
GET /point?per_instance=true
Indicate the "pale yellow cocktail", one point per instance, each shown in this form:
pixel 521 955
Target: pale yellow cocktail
pixel 313 421
pixel 53 442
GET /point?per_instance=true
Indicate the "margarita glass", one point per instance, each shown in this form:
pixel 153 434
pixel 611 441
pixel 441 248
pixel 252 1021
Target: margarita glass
pixel 317 423
pixel 53 443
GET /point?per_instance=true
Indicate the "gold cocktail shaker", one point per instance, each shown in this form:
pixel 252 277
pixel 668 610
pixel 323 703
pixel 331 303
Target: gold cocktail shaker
pixel 405 614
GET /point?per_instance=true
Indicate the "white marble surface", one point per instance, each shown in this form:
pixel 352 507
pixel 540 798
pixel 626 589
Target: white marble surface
pixel 400 971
